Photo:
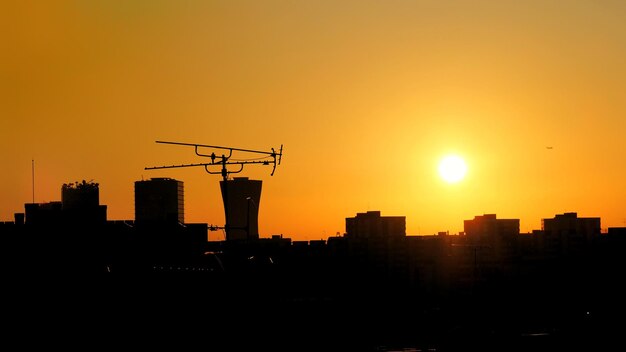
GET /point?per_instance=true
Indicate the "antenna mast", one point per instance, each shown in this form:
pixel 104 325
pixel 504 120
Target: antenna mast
pixel 270 158
pixel 225 160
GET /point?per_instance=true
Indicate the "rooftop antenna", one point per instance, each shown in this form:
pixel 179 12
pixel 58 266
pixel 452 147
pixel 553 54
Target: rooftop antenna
pixel 270 158
pixel 267 158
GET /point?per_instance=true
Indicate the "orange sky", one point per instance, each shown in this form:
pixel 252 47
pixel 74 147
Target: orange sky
pixel 366 96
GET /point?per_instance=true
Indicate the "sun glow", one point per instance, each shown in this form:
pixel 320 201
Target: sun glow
pixel 452 169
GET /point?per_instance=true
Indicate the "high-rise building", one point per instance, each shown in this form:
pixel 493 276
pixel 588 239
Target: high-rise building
pixel 489 227
pixel 569 233
pixel 241 198
pixel 494 242
pixel 372 225
pixel 159 200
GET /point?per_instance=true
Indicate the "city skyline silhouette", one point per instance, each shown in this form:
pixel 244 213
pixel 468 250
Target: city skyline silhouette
pixel 489 287
pixel 177 207
pixel 453 175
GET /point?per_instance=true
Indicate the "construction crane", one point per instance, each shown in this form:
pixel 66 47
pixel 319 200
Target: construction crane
pixel 225 160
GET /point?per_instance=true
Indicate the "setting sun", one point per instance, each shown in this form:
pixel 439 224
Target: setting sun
pixel 452 169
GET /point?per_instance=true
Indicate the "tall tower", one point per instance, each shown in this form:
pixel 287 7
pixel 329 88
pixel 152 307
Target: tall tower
pixel 241 198
pixel 159 200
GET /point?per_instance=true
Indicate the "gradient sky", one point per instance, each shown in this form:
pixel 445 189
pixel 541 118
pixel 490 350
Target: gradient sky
pixel 365 96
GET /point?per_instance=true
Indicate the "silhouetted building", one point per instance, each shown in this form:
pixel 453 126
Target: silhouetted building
pixel 567 233
pixel 492 243
pixel 486 226
pixel 81 203
pixel 38 214
pixel 80 195
pixel 19 218
pixel 612 231
pixel 372 225
pixel 159 200
pixel 241 198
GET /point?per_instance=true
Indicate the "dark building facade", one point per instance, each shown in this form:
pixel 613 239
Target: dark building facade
pixel 488 225
pixel 492 243
pixel 43 213
pixel 81 203
pixel 242 198
pixel 372 225
pixel 80 195
pixel 567 233
pixel 159 200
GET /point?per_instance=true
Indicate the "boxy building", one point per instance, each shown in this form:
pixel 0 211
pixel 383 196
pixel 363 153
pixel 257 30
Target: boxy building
pixel 159 200
pixel 372 225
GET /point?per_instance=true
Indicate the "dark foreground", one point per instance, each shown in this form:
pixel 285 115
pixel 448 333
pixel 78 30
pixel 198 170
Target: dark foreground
pixel 178 313
pixel 127 290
